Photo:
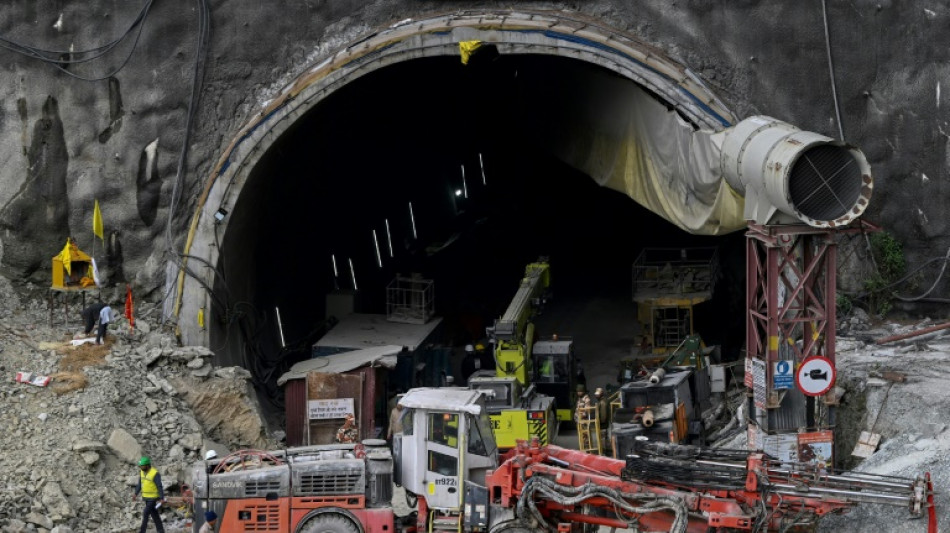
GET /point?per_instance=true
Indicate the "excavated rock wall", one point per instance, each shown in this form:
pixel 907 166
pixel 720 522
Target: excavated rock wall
pixel 65 142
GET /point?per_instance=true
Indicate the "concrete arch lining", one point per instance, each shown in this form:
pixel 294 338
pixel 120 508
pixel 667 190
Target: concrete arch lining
pixel 510 32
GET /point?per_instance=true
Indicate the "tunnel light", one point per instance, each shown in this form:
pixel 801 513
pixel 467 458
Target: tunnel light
pixel 379 258
pixel 389 238
pixel 336 273
pixel 353 274
pixel 481 165
pixel 413 219
pixel 464 184
pixel 458 192
pixel 280 327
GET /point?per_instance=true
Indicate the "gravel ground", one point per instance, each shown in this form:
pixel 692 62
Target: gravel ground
pixel 912 417
pixel 69 448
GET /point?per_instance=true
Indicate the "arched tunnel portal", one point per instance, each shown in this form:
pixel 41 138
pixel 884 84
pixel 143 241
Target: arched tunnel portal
pixel 395 157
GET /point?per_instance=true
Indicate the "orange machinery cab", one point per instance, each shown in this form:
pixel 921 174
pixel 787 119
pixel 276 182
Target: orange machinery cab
pixel 298 490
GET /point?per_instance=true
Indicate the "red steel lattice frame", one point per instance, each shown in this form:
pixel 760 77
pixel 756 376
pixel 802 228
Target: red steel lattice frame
pixel 802 260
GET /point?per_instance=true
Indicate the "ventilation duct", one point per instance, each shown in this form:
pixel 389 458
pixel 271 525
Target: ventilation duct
pixel 788 175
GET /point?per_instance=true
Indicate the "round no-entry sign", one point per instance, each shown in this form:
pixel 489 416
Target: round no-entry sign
pixel 816 376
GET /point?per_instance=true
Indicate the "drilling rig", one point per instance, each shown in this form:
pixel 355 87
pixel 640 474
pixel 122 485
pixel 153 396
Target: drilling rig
pixel 447 461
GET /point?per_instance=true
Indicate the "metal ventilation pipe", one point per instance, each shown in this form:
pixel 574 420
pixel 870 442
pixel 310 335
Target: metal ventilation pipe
pixel 790 176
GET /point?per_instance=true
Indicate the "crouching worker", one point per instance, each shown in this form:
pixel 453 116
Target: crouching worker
pixel 90 315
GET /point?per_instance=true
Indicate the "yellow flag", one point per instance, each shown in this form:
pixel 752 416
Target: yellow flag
pixel 466 48
pixel 66 257
pixel 97 223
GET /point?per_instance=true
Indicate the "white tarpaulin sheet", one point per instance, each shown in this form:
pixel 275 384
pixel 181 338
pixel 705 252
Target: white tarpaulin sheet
pixel 626 139
pixel 343 362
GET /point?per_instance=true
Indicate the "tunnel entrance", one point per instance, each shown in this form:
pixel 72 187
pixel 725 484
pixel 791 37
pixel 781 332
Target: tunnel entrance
pixel 435 167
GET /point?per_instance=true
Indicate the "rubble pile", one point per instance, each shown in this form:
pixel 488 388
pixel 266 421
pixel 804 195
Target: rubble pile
pixel 899 391
pixel 69 459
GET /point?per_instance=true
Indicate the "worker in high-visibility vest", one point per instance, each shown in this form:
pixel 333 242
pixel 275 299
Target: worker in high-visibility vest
pixel 153 494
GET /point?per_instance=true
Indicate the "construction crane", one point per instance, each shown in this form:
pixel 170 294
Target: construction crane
pixel 550 363
pixel 513 333
pixel 447 461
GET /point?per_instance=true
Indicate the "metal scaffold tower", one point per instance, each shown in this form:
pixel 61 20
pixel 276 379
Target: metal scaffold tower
pixel 790 328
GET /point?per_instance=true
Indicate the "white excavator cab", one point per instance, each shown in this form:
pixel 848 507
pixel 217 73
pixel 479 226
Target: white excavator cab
pixel 446 446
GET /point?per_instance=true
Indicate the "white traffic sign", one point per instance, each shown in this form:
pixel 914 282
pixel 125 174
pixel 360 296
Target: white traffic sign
pixel 783 375
pixel 816 376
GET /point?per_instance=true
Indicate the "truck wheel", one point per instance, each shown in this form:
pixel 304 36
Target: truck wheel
pixel 329 523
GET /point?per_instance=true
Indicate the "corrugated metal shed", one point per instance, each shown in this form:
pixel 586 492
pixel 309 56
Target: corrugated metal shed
pixel 384 356
pixel 360 331
pixel 295 411
pixel 365 363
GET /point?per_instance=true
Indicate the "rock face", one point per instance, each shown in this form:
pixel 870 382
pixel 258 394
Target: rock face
pixel 69 142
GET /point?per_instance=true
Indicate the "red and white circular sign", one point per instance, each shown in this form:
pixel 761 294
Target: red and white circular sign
pixel 815 376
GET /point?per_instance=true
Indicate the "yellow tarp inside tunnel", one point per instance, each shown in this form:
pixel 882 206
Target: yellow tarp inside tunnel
pixel 627 140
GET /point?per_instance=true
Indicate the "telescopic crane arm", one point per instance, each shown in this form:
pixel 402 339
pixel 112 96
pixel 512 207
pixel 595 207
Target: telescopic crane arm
pixel 513 333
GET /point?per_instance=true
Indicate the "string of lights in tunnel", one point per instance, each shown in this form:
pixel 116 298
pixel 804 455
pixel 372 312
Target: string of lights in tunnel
pixel 462 192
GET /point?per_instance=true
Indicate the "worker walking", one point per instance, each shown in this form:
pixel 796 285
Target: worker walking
pixel 349 433
pixel 105 318
pixel 211 520
pixel 150 487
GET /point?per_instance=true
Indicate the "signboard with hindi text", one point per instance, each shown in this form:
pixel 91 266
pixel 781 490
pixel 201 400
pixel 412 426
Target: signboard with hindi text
pixel 325 409
pixel 329 398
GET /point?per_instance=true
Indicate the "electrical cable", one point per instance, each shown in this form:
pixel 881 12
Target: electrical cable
pixel 898 281
pixel 926 293
pixel 56 59
pixel 204 17
pixel 831 69
pixel 197 78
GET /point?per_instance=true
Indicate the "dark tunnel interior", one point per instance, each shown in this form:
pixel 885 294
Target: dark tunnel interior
pixel 407 134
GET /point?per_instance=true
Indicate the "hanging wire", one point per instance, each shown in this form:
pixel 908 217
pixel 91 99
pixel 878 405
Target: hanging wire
pixel 831 70
pixel 62 58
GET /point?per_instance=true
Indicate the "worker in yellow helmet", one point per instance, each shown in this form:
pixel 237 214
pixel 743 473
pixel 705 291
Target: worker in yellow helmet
pixel 150 487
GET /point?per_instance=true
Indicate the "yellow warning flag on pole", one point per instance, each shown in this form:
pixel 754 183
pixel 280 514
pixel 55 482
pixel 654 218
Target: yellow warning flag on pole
pixel 97 223
pixel 466 48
